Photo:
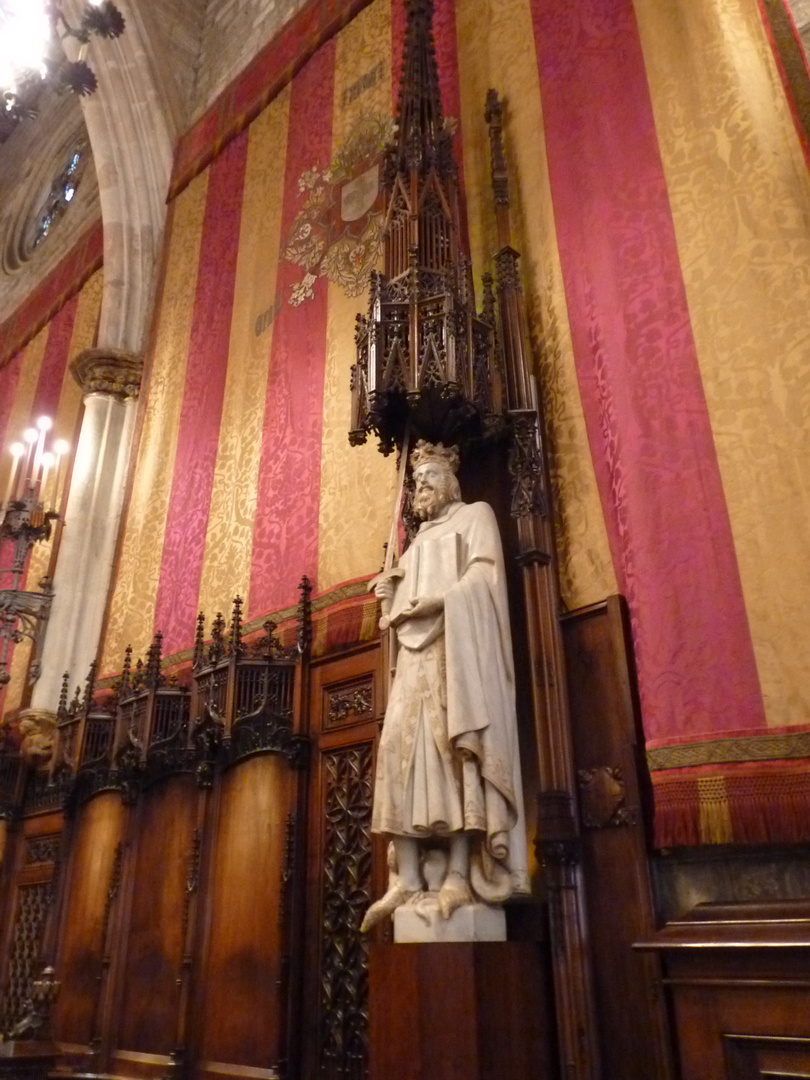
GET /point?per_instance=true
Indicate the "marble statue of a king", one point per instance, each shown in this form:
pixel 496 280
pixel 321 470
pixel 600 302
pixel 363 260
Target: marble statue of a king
pixel 448 787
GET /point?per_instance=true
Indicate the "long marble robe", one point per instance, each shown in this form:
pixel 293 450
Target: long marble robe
pixel 448 756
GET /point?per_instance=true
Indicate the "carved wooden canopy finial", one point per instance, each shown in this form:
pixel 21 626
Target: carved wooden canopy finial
pixel 420 124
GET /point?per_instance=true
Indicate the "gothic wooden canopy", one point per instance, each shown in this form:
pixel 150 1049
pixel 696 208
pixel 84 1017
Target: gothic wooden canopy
pixel 425 357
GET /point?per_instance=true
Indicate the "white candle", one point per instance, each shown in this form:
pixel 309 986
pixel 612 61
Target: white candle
pixel 17 451
pixel 61 448
pixel 30 437
pixel 47 461
pixel 44 424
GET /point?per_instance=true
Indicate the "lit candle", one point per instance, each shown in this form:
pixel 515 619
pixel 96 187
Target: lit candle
pixel 47 461
pixel 44 424
pixel 61 448
pixel 30 437
pixel 17 451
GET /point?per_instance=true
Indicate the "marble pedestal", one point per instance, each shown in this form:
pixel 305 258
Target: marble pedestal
pixel 472 922
pixel 460 1011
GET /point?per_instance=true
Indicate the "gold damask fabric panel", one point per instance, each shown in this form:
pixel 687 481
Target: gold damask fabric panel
pixel 229 538
pixel 740 197
pixel 357 483
pixel 133 604
pixel 504 57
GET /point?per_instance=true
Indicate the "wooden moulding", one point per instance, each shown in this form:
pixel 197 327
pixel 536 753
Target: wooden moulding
pixel 27 1059
pixel 480 1011
pixel 768 925
pixel 738 978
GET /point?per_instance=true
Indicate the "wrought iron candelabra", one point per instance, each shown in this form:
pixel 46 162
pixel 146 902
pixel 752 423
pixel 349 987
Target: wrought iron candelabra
pixel 20 99
pixel 27 515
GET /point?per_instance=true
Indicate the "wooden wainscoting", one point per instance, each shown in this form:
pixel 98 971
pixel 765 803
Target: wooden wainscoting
pixel 739 981
pixel 615 815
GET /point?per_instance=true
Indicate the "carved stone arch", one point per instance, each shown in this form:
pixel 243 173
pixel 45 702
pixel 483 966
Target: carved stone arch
pixel 132 135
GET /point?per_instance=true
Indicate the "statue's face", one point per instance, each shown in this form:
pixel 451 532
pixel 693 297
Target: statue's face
pixel 433 489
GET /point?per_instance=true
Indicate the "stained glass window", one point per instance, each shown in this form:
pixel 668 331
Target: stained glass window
pixel 61 194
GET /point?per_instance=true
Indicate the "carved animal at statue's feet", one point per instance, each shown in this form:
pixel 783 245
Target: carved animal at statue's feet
pixel 454 893
pixel 386 906
pixel 394 896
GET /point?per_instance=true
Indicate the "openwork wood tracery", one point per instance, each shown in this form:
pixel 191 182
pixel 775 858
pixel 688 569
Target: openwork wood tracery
pixel 346 894
pixel 33 902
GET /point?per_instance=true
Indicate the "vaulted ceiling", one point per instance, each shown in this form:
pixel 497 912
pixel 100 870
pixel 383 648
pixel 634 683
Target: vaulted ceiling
pixel 174 58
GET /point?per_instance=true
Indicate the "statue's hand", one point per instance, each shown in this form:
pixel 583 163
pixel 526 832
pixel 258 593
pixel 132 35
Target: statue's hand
pixel 430 605
pixel 383 586
pixel 384 590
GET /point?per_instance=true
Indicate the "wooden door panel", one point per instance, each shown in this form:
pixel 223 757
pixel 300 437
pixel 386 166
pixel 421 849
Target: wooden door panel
pixel 95 869
pixel 244 983
pixel 344 866
pixel 166 849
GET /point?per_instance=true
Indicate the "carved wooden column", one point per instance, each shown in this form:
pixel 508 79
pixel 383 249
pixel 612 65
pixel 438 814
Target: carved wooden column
pixel 558 825
pixel 110 380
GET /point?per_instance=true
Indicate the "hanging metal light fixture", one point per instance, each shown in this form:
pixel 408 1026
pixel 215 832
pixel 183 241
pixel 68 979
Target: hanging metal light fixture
pixel 32 58
pixel 27 514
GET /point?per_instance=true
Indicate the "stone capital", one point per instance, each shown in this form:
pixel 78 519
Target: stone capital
pixel 108 371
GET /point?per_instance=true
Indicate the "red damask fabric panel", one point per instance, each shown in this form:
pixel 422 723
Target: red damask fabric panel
pixel 645 410
pixel 53 371
pixel 285 536
pixel 198 438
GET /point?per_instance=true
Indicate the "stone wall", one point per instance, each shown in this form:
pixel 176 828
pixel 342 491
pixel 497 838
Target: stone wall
pixel 233 32
pixel 800 10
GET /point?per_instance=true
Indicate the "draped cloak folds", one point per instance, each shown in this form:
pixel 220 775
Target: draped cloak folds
pixel 448 756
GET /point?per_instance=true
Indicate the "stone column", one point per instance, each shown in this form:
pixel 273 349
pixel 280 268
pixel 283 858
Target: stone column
pixel 132 138
pixel 110 380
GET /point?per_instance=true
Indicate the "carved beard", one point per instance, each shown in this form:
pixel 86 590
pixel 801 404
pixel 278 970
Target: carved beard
pixel 430 502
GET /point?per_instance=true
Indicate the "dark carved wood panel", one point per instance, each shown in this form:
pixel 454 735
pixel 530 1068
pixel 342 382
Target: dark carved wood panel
pixel 346 893
pixel 154 948
pixel 32 906
pixel 606 732
pixel 42 849
pixel 345 868
pixel 348 703
pixel 94 845
pixel 244 982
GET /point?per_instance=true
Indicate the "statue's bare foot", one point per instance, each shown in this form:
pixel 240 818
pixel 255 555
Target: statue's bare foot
pixel 454 893
pixel 385 906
